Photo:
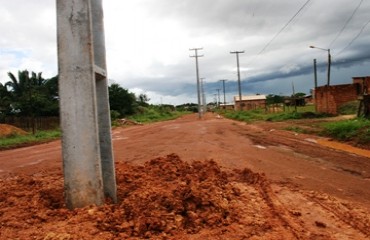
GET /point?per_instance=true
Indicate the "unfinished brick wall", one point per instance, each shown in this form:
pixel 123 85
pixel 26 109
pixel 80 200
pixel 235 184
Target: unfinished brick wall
pixel 251 104
pixel 330 98
pixel 364 83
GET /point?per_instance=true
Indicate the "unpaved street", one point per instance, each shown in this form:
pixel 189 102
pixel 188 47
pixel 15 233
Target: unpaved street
pixel 310 191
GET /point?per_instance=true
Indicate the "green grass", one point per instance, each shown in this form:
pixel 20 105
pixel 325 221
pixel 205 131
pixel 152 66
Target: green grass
pixel 20 140
pixel 295 129
pixel 246 116
pixel 260 114
pixel 153 115
pixel 357 130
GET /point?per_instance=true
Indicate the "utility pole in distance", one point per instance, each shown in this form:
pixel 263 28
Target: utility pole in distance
pixel 204 104
pixel 218 97
pixel 223 85
pixel 196 56
pixel 315 83
pixel 239 84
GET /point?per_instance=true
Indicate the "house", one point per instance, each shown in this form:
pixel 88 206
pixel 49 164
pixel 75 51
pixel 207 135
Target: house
pixel 364 84
pixel 227 106
pixel 328 99
pixel 250 102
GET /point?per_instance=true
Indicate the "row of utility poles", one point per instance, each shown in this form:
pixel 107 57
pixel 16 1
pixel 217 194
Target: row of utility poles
pixel 200 82
pixel 200 88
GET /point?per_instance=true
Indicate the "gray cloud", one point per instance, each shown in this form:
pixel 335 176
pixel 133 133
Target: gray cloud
pixel 148 42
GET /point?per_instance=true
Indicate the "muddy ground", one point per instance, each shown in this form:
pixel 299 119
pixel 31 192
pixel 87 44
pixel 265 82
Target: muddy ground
pixel 197 179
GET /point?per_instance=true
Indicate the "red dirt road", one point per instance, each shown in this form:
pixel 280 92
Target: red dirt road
pixel 309 191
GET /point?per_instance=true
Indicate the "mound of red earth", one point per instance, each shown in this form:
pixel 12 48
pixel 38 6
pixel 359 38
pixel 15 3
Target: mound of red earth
pixel 9 130
pixel 166 197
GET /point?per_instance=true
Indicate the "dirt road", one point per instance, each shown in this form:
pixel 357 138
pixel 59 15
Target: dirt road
pixel 309 191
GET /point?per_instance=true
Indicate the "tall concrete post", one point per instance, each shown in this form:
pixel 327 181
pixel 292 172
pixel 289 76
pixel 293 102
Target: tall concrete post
pixel 239 83
pixel 105 136
pixel 84 108
pixel 196 56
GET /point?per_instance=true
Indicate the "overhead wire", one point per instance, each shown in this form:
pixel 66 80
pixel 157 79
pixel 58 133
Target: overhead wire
pixel 283 28
pixel 354 39
pixel 346 24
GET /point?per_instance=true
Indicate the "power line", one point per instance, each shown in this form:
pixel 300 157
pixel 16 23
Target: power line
pixel 283 28
pixel 354 39
pixel 346 24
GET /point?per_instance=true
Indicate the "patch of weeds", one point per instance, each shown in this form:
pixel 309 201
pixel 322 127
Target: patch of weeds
pixel 295 129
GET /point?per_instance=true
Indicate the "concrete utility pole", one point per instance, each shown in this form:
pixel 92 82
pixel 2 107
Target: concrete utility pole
pixel 239 84
pixel 315 73
pixel 204 103
pixel 315 83
pixel 223 85
pixel 329 62
pixel 218 96
pixel 196 56
pixel 88 163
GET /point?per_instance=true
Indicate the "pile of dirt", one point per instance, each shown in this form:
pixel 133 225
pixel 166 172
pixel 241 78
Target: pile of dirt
pixel 165 197
pixel 168 198
pixel 8 130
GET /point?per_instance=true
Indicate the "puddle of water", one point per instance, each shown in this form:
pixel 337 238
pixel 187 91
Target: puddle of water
pixel 344 147
pixel 120 138
pixel 260 147
pixel 311 140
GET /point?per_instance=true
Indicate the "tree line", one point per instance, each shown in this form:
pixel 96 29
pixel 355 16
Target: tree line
pixel 31 95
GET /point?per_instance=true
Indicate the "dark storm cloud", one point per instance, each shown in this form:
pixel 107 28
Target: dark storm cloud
pixel 148 41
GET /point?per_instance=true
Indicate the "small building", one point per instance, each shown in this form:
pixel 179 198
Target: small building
pixel 328 99
pixel 364 84
pixel 227 106
pixel 251 102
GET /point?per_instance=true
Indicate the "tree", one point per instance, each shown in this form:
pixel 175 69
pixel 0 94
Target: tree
pixel 121 100
pixel 143 100
pixel 33 95
pixel 4 101
pixel 274 99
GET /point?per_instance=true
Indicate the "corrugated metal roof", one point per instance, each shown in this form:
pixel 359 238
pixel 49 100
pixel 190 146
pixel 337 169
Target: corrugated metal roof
pixel 250 98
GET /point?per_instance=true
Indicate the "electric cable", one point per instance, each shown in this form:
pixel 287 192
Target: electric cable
pixel 354 39
pixel 346 24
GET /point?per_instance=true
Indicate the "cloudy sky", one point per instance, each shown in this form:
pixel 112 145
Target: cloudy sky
pixel 148 42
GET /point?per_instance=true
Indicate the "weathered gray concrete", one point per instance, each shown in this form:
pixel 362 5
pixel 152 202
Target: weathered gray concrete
pixel 105 136
pixel 84 108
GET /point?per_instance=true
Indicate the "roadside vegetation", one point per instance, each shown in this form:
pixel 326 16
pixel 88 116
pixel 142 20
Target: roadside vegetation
pixel 28 99
pixel 356 131
pixel 281 115
pixel 18 140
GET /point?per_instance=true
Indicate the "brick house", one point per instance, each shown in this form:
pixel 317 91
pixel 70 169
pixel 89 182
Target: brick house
pixel 250 102
pixel 227 106
pixel 364 83
pixel 329 98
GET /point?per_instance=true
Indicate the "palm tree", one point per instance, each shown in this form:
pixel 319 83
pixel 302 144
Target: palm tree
pixel 4 101
pixel 27 94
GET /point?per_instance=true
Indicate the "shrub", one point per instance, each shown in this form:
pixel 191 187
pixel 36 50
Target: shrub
pixel 348 108
pixel 356 129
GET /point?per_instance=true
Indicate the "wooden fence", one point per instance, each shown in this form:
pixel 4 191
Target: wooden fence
pixel 32 124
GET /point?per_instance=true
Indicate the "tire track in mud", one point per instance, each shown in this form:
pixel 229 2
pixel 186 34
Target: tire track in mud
pixel 276 211
pixel 344 212
pixel 280 212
